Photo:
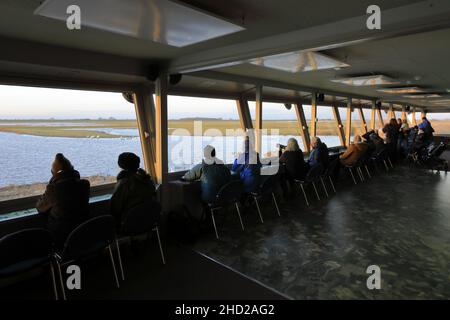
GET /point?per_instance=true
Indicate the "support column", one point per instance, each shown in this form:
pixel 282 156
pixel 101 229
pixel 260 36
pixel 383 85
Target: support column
pixel 258 120
pixel 363 120
pixel 380 117
pixel 413 117
pixel 301 119
pixel 391 112
pixel 423 114
pixel 145 115
pixel 339 125
pixel 403 113
pixel 348 124
pixel 161 125
pixel 374 115
pixel 314 115
pixel 244 114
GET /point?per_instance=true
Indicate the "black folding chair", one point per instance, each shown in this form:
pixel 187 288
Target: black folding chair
pixel 328 173
pixel 142 219
pixel 312 177
pixel 27 250
pixel 228 195
pixel 265 189
pixel 88 239
pixel 380 157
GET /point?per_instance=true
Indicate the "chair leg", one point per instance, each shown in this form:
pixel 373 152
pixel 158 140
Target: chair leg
pixel 276 204
pixel 214 223
pixel 259 210
pixel 358 169
pixel 58 265
pixel 119 256
pixel 332 184
pixel 239 215
pixel 315 189
pixel 390 163
pixel 324 187
pixel 368 172
pixel 304 194
pixel 353 177
pixel 114 266
pixel 52 271
pixel 160 246
pixel 385 165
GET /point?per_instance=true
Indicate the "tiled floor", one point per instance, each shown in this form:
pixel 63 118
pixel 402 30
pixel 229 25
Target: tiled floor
pixel 399 221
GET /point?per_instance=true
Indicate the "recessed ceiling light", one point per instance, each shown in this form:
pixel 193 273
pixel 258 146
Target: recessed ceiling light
pixel 299 62
pixel 160 21
pixel 401 90
pixel 374 80
pixel 422 96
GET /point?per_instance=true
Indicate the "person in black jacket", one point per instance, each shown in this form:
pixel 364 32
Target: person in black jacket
pixel 65 201
pixel 134 187
pixel 295 166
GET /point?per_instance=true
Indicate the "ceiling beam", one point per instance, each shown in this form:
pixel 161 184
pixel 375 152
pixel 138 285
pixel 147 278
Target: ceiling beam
pixel 409 19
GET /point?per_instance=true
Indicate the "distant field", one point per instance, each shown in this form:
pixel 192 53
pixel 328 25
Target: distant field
pixel 90 128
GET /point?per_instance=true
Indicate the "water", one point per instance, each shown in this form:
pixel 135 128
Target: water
pixel 26 159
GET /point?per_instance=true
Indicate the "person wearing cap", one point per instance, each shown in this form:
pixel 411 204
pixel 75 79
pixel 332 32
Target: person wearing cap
pixel 212 173
pixel 65 201
pixel 134 186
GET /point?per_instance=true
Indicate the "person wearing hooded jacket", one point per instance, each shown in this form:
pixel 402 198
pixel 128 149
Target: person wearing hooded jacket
pixel 212 173
pixel 134 187
pixel 65 201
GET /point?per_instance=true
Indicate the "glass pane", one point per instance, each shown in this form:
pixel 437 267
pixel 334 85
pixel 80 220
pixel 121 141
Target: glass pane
pixel 197 122
pixel 440 122
pixel 90 128
pixel 279 124
pixel 326 127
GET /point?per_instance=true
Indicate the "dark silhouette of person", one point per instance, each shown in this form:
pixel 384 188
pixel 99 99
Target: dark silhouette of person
pixel 65 201
pixel 134 187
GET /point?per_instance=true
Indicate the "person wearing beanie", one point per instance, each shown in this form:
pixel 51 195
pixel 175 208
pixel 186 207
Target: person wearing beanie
pixel 134 187
pixel 65 201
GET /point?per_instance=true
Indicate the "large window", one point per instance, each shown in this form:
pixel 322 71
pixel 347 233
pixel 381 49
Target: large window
pixel 440 122
pixel 90 128
pixel 326 126
pixel 197 122
pixel 279 124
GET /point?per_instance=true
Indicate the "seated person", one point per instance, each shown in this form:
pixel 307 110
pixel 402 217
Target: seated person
pixel 378 142
pixel 420 142
pixel 134 187
pixel 212 173
pixel 294 165
pixel 319 153
pixel 370 143
pixel 66 200
pixel 354 152
pixel 248 167
pixel 292 158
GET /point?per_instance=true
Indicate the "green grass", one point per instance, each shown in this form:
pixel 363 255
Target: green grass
pixel 87 128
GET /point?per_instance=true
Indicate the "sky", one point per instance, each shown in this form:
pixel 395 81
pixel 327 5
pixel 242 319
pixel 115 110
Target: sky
pixel 18 102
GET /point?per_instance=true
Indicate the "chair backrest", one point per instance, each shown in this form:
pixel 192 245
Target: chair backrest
pixel 25 245
pixel 89 237
pixel 314 173
pixel 230 192
pixel 268 185
pixel 330 170
pixel 141 219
